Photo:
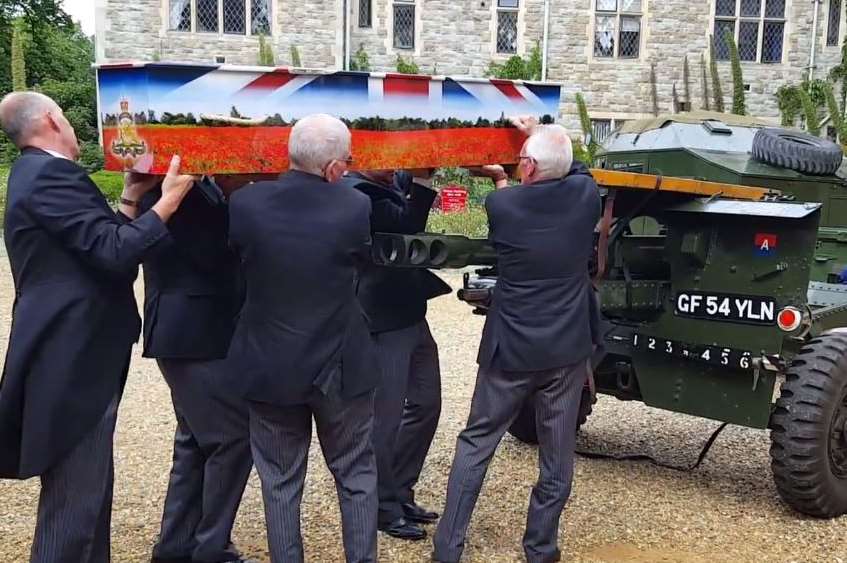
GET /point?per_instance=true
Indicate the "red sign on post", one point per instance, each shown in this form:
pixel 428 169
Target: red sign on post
pixel 453 199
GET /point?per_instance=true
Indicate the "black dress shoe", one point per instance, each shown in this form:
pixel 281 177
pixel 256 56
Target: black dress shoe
pixel 403 530
pixel 170 560
pixel 419 514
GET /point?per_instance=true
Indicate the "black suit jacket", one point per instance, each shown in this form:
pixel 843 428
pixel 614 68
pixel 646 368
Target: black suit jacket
pixel 543 312
pixel 190 299
pixel 75 317
pixel 301 242
pixel 396 298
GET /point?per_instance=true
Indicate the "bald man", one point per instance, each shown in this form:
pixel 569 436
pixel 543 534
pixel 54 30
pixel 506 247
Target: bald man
pixel 301 347
pixel 537 338
pixel 73 325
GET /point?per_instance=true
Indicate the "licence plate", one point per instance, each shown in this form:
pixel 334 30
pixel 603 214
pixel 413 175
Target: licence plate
pixel 726 307
pixel 729 358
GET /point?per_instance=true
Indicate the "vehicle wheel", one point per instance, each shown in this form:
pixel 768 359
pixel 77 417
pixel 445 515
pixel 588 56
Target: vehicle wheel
pixel 523 428
pixel 797 151
pixel 809 429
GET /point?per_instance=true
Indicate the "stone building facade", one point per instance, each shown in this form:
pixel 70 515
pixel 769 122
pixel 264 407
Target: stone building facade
pixel 604 49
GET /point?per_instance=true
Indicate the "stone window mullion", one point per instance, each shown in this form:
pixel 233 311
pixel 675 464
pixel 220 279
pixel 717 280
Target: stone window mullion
pixel 248 17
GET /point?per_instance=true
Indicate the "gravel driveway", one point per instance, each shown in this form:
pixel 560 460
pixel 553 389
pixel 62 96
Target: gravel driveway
pixel 726 511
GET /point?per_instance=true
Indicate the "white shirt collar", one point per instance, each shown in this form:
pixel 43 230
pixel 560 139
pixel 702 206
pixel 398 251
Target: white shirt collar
pixel 56 154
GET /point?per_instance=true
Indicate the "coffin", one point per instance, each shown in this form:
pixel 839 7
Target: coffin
pixel 236 120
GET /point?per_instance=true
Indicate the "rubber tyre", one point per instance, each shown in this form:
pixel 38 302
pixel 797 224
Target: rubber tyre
pixel 797 151
pixel 523 428
pixel 812 406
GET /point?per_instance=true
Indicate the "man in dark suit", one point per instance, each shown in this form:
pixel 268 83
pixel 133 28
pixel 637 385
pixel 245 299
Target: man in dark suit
pixel 408 399
pixel 189 316
pixel 538 338
pixel 301 344
pixel 74 322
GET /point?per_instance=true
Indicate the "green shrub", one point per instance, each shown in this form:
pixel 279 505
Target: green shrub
pixel 360 61
pixel 407 67
pixel 472 222
pixel 518 68
pixel 111 184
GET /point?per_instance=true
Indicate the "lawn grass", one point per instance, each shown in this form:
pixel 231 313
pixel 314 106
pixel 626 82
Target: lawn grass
pixel 110 183
pixel 473 222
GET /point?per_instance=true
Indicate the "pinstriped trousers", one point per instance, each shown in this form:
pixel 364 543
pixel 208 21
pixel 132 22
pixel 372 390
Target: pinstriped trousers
pixel 497 399
pixel 75 506
pixel 211 464
pixel 407 407
pixel 280 438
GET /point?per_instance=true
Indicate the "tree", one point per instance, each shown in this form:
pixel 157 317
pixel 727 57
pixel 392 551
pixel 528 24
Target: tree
pixel 810 110
pixel 585 124
pixel 675 98
pixel 835 114
pixel 295 57
pixel 58 63
pixel 266 53
pixel 717 91
pixel 686 79
pixel 18 61
pixel 534 64
pixel 704 83
pixel 739 107
pixel 790 106
pixel 838 74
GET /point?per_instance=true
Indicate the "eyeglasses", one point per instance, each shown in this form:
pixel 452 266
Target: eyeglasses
pixel 348 161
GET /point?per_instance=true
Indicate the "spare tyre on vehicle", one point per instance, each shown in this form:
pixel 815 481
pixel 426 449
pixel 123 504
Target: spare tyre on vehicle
pixel 797 151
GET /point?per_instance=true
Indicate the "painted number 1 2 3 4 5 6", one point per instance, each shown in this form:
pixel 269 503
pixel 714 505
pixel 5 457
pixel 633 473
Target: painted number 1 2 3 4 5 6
pixel 715 355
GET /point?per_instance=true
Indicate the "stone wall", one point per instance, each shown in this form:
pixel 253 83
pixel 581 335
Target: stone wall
pixel 458 38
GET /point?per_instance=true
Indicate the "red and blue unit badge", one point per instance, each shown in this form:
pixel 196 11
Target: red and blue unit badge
pixel 765 244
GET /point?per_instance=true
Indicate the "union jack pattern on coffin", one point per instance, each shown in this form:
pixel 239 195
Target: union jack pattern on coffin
pixel 224 119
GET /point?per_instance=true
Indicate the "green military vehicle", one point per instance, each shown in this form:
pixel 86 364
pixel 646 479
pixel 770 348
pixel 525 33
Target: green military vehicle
pixel 723 293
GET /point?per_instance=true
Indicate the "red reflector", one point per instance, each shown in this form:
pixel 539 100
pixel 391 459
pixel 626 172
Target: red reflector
pixel 789 319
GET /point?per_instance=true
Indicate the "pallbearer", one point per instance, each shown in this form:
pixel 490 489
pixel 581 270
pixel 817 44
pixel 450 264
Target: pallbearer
pixel 74 322
pixel 189 316
pixel 537 339
pixel 408 399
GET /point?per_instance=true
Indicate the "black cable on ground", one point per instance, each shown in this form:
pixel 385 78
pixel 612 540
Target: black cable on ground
pixel 643 457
